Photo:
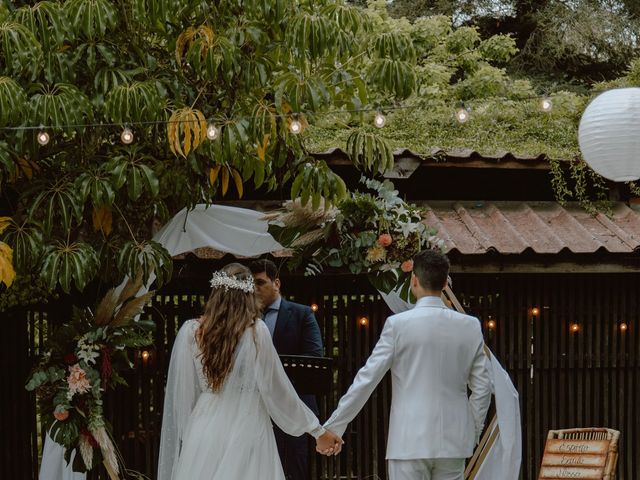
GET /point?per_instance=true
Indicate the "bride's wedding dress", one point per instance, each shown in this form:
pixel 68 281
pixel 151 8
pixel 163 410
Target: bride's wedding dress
pixel 228 435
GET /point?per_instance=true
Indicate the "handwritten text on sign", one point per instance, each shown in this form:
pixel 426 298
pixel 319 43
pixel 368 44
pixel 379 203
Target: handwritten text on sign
pixel 582 459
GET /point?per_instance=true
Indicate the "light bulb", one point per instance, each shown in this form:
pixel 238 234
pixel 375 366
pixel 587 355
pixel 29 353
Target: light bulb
pixel 379 120
pixel 212 132
pixel 546 105
pixel 314 307
pixel 623 327
pixel 535 311
pixel 295 127
pixel 491 324
pixel 462 115
pixel 575 328
pixel 364 321
pixel 126 136
pixel 43 137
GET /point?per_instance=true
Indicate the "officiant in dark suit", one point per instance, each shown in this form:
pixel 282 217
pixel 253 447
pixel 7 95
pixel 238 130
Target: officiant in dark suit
pixel 295 331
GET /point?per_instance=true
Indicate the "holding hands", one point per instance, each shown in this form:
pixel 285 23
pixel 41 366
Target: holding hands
pixel 329 443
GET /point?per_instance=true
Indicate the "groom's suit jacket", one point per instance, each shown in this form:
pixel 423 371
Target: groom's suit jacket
pixel 434 354
pixel 297 333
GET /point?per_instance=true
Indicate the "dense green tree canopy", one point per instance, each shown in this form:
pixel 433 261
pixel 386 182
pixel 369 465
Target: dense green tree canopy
pixel 222 96
pixel 564 41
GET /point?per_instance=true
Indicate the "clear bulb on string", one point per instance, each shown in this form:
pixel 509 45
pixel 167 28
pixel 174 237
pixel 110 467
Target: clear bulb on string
pixel 379 120
pixel 462 114
pixel 546 104
pixel 126 136
pixel 295 127
pixel 212 132
pixel 43 137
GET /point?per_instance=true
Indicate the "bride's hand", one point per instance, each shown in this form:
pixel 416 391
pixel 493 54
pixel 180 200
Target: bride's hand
pixel 329 443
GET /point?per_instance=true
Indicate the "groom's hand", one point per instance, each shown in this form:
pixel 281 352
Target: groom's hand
pixel 329 443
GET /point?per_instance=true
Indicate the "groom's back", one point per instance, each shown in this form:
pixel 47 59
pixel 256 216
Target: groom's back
pixel 434 352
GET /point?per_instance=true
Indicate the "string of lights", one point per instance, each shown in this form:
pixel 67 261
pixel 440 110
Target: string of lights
pixel 462 114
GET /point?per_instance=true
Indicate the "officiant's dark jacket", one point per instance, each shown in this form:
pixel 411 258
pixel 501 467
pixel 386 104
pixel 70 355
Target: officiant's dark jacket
pixel 296 332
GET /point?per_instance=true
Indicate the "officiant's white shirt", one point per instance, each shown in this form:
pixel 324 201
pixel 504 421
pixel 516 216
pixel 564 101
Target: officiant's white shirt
pixel 434 354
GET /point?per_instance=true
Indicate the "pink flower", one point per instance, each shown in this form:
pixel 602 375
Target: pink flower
pixel 385 240
pixel 61 415
pixel 77 380
pixel 407 266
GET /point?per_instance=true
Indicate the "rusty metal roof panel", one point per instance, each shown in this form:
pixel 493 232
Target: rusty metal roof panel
pixel 474 228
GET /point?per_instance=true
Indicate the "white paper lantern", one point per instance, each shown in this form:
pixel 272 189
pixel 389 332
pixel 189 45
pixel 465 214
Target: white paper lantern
pixel 609 134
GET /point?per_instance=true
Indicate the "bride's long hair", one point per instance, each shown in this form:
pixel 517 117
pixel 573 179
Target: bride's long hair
pixel 227 314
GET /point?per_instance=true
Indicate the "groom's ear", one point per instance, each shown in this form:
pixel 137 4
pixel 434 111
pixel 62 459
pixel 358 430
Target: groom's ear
pixel 276 282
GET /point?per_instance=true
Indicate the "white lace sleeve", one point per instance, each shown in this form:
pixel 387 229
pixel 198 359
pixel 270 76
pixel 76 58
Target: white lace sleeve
pixel 181 394
pixel 281 400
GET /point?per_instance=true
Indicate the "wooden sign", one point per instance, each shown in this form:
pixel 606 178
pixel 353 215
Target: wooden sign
pixel 567 458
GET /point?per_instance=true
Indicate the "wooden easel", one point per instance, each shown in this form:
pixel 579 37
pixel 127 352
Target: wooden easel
pixel 490 434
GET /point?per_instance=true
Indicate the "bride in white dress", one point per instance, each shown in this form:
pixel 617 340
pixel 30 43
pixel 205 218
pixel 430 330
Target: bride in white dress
pixel 224 386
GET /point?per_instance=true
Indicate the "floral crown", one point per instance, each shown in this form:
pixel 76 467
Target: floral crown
pixel 223 280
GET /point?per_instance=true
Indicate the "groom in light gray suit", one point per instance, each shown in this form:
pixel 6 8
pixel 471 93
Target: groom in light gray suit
pixel 434 355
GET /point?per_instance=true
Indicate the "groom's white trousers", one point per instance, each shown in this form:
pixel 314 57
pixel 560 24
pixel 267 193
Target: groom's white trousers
pixel 427 469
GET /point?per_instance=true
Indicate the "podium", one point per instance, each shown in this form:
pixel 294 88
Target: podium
pixel 309 375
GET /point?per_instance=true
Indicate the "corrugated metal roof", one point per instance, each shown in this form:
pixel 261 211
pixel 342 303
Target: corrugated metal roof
pixel 440 155
pixel 474 228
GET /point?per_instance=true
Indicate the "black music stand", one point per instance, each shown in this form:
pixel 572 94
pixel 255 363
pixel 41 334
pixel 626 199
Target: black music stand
pixel 309 375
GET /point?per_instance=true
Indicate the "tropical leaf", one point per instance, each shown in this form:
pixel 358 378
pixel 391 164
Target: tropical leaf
pixel 311 33
pixel 46 20
pixel 4 223
pixel 13 101
pixel 369 152
pixel 262 147
pixel 237 179
pixel 187 128
pixel 134 102
pixel 396 77
pixel 60 105
pixel 8 164
pixel 102 220
pixel 133 169
pixel 147 258
pixel 58 205
pixel 91 18
pixel 27 244
pixel 20 50
pixel 98 185
pixel 317 183
pixel 66 263
pixel 7 273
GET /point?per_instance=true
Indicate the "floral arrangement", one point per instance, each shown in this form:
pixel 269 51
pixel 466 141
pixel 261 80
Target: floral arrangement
pixel 373 233
pixel 81 361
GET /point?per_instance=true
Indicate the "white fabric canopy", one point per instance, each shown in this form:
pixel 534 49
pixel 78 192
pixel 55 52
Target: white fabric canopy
pixel 233 230
pixel 243 232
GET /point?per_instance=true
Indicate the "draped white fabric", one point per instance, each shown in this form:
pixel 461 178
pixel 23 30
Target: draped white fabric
pixel 238 231
pixel 53 465
pixel 242 232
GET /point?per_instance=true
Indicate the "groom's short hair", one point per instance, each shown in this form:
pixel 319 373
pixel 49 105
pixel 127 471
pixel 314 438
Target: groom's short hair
pixel 264 265
pixel 432 268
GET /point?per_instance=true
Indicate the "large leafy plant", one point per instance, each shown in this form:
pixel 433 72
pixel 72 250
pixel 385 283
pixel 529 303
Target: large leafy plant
pixel 210 92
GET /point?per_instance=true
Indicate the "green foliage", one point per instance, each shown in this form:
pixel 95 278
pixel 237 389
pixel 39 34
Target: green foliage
pixel 85 202
pixel 375 234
